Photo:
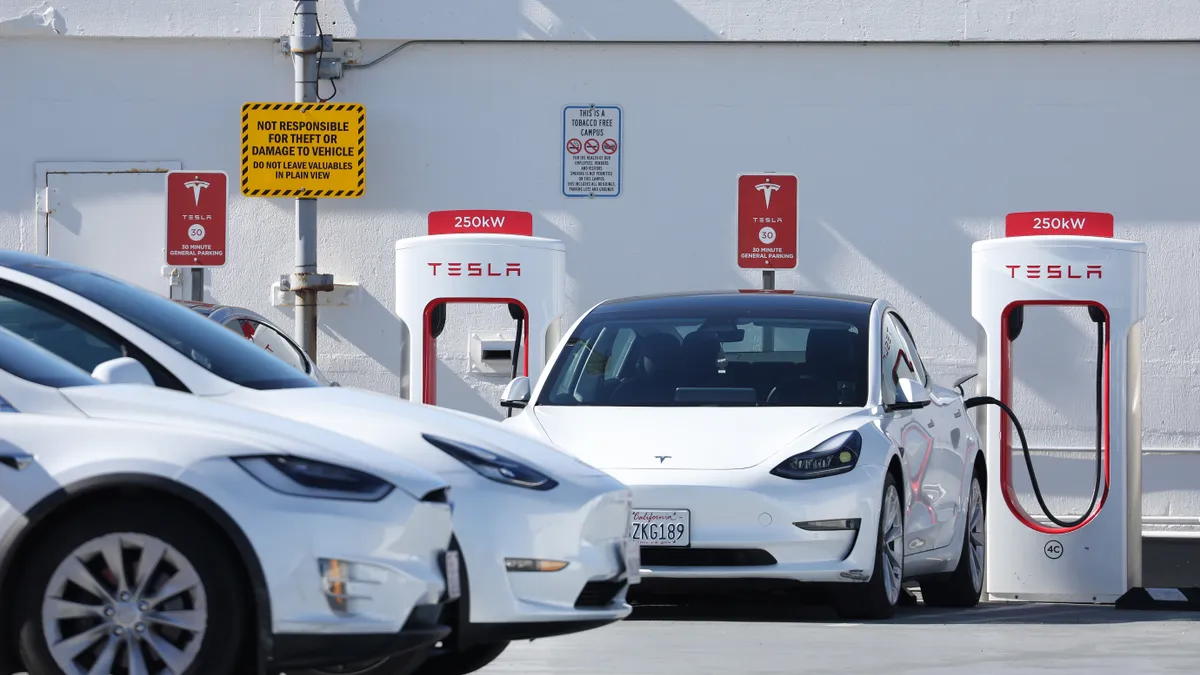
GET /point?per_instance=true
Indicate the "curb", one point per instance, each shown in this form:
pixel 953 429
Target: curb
pixel 1177 599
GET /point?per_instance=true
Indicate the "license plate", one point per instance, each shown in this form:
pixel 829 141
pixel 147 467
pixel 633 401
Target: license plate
pixel 633 561
pixel 661 527
pixel 453 582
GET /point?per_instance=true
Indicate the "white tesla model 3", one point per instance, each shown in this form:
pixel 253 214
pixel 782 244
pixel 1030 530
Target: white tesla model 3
pixel 152 532
pixel 543 536
pixel 772 436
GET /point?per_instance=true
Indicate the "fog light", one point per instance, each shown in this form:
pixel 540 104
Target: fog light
pixel 827 525
pixel 334 576
pixel 533 565
pixel 337 578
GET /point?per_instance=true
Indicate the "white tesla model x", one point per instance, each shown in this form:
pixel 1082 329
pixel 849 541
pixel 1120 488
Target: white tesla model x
pixel 152 532
pixel 772 436
pixel 543 536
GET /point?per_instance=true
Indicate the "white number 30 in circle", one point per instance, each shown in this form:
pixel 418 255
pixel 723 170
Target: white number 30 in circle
pixel 196 232
pixel 766 235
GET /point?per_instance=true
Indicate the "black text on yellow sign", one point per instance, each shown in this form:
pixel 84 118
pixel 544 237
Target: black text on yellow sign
pixel 304 150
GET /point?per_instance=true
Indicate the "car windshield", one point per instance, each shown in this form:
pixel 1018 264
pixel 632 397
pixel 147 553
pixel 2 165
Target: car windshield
pixel 25 360
pixel 736 358
pixel 207 344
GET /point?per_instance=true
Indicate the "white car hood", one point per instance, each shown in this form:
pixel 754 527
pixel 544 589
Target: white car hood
pixel 397 424
pixel 693 437
pixel 178 410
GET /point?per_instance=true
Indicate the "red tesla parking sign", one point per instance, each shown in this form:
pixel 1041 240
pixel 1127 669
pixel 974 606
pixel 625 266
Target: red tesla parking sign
pixel 197 213
pixel 766 216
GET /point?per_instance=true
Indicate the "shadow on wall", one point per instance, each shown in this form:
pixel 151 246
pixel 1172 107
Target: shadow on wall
pixel 382 336
pixel 912 232
pixel 453 389
pixel 542 19
pixel 69 217
pixel 371 327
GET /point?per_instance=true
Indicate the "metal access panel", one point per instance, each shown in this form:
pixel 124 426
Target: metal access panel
pixel 109 216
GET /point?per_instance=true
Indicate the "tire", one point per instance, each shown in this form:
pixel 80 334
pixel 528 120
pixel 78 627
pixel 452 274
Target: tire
pixel 208 612
pixel 877 598
pixel 964 586
pixel 405 664
pixel 467 661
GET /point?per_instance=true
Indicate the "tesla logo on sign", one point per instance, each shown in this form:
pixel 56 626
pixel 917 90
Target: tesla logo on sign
pixel 474 269
pixel 767 188
pixel 662 458
pixel 196 186
pixel 1055 272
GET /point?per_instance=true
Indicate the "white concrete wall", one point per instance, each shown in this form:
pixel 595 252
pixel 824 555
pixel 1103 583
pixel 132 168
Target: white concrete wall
pixel 620 20
pixel 906 154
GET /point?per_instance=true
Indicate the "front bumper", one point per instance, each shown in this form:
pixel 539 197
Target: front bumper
pixel 366 572
pixel 582 522
pixel 743 524
pixel 305 650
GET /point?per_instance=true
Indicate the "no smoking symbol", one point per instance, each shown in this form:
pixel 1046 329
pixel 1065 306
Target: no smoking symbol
pixel 610 146
pixel 592 146
pixel 1054 549
pixel 574 146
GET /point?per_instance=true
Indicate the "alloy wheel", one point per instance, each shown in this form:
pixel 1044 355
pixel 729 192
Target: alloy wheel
pixel 124 601
pixel 892 529
pixel 976 535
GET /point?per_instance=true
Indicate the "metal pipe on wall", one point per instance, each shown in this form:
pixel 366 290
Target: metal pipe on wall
pixel 305 46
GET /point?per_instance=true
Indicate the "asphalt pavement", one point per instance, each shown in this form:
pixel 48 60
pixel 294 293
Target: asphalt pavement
pixel 775 639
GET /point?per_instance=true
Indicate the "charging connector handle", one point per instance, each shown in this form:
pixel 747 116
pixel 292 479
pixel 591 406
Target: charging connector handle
pixel 1037 490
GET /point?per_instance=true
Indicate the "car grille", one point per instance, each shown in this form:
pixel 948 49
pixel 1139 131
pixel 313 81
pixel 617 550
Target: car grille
pixel 597 594
pixel 655 556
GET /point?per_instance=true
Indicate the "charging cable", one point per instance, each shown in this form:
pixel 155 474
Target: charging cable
pixel 1037 490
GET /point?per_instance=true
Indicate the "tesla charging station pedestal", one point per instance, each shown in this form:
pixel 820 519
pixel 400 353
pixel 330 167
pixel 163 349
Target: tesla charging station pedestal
pixel 526 273
pixel 1097 557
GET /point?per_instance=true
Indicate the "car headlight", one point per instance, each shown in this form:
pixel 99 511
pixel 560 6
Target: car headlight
pixel 493 466
pixel 835 456
pixel 301 477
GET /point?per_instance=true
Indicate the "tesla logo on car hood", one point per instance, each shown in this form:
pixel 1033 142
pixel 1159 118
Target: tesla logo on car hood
pixel 662 458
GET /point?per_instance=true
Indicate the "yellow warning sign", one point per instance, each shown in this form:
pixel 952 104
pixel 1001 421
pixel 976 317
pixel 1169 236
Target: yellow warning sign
pixel 304 149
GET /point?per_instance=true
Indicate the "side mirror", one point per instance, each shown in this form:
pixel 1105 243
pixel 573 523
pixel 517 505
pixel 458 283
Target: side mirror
pixel 961 381
pixel 910 395
pixel 123 370
pixel 516 394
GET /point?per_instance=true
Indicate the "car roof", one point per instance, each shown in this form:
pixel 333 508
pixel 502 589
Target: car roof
pixel 735 300
pixel 205 308
pixel 16 259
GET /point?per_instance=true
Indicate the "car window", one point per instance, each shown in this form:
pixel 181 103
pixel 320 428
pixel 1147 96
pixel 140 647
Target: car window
pixel 811 358
pixel 621 347
pixel 41 326
pixel 24 359
pixel 70 335
pixel 265 336
pixel 208 345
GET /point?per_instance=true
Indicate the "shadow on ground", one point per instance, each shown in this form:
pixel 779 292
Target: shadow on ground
pixel 815 607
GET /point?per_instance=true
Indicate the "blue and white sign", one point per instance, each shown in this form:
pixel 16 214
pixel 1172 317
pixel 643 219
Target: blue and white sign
pixel 591 151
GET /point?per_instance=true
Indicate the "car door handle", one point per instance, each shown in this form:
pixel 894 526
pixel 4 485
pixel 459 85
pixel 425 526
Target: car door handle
pixel 16 460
